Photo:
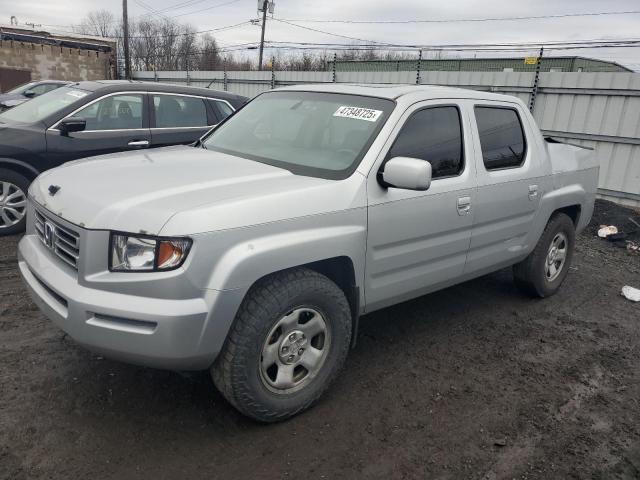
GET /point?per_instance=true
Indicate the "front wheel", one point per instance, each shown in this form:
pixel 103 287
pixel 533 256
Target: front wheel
pixel 289 340
pixel 13 202
pixel 544 270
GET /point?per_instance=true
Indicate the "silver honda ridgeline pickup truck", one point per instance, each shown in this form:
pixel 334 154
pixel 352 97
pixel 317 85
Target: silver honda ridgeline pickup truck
pixel 254 253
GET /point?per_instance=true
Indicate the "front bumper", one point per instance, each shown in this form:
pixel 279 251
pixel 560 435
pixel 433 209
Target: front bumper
pixel 180 334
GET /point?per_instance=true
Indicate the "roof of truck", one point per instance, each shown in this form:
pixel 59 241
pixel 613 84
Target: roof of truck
pixel 395 91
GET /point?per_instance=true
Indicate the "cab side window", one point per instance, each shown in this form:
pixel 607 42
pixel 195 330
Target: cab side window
pixel 501 137
pixel 434 135
pixel 116 112
pixel 174 111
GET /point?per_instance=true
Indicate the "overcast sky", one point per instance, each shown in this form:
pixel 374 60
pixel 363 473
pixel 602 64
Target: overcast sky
pixel 62 13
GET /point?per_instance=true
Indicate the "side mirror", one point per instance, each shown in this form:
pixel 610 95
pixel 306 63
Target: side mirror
pixel 72 124
pixel 407 173
pixel 29 93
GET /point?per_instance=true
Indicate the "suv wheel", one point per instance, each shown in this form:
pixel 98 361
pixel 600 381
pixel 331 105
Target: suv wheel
pixel 544 270
pixel 13 202
pixel 289 340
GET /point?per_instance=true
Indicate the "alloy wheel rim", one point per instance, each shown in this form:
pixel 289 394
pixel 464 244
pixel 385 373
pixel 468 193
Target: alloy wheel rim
pixel 13 204
pixel 294 351
pixel 556 256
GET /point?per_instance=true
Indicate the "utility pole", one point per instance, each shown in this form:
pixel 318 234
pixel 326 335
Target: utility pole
pixel 265 6
pixel 125 31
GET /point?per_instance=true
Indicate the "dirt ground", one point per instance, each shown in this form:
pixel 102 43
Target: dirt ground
pixel 476 381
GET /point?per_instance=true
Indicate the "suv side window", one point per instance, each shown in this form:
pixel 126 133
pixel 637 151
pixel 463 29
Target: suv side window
pixel 222 109
pixel 174 111
pixel 501 137
pixel 433 134
pixel 116 112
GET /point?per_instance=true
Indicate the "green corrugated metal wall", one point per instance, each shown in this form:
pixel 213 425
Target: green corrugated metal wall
pixel 559 64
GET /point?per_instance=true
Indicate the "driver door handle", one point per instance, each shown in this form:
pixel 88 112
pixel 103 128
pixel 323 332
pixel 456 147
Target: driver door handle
pixel 139 143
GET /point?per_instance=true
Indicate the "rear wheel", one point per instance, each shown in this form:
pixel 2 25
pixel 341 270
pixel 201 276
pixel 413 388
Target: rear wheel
pixel 544 270
pixel 13 202
pixel 289 340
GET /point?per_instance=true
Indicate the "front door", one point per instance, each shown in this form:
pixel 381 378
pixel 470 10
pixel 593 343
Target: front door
pixel 115 123
pixel 418 240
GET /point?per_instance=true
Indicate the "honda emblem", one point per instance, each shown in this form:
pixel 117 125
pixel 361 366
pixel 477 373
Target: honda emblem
pixel 49 234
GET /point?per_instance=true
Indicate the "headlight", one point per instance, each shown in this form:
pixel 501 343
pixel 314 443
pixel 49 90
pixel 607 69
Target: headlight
pixel 130 253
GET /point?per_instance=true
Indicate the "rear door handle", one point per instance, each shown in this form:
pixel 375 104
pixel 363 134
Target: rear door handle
pixel 139 143
pixel 464 205
pixel 533 192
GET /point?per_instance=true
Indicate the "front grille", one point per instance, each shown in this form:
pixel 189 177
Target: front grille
pixel 62 241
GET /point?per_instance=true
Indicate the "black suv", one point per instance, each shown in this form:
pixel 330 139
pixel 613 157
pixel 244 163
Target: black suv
pixel 93 118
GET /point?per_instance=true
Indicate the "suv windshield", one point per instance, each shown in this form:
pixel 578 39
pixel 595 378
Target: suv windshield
pixel 44 105
pixel 309 133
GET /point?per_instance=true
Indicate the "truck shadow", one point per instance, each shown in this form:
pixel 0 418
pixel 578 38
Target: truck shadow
pixel 126 392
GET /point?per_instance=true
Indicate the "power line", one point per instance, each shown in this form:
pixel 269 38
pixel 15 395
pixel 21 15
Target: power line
pixel 153 11
pixel 182 34
pixel 454 48
pixel 375 42
pixel 178 6
pixel 459 20
pixel 208 8
pixel 326 33
pixel 149 9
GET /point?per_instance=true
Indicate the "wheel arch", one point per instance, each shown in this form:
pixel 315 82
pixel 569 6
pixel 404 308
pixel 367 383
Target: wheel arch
pixel 341 271
pixel 20 167
pixel 572 211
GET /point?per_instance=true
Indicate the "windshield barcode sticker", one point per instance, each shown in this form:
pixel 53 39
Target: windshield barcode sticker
pixel 360 113
pixel 77 94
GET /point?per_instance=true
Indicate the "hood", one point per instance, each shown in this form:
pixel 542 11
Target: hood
pixel 198 190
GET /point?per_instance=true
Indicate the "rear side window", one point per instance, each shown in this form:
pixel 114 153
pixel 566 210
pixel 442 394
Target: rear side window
pixel 501 137
pixel 435 135
pixel 174 111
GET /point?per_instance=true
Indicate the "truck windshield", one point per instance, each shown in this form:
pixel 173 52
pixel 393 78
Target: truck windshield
pixel 308 133
pixel 41 107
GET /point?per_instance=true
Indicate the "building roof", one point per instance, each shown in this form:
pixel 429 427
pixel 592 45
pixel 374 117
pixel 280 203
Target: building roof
pixel 566 63
pixel 66 39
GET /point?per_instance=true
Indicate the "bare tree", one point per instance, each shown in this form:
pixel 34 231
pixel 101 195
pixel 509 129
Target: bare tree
pixel 164 44
pixel 100 23
pixel 209 58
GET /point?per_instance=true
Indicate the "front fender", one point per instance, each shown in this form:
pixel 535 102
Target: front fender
pixel 10 162
pixel 236 259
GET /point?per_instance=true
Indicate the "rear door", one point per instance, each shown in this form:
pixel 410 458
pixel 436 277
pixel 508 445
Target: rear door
pixel 509 186
pixel 179 119
pixel 115 122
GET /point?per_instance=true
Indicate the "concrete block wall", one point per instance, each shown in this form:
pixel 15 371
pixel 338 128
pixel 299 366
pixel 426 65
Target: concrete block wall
pixel 56 63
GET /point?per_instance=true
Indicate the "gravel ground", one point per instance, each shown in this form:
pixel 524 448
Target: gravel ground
pixel 476 381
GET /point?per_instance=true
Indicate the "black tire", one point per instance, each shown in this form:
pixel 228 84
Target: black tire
pixel 237 372
pixel 530 275
pixel 22 183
